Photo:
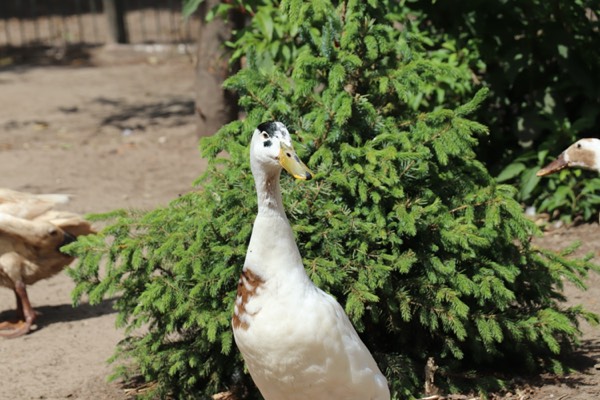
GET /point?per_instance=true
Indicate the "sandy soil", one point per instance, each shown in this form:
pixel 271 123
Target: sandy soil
pixel 117 134
pixel 120 133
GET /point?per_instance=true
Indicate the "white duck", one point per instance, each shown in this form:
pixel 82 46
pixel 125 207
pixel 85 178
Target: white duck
pixel 296 339
pixel 31 234
pixel 584 153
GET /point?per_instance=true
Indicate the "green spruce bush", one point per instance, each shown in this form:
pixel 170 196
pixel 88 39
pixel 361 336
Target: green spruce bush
pixel 403 224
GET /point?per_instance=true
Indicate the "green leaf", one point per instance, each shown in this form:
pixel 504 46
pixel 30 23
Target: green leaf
pixel 511 171
pixel 190 6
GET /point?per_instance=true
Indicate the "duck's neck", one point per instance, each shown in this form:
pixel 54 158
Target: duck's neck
pixel 596 155
pixel 272 252
pixel 268 192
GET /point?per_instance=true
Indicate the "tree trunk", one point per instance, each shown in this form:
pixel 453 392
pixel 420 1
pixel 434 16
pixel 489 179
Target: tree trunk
pixel 214 106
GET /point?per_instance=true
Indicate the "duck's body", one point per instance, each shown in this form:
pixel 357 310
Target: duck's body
pixel 296 339
pixel 29 248
pixel 584 153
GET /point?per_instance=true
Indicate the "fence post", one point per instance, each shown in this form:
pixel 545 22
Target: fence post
pixel 115 14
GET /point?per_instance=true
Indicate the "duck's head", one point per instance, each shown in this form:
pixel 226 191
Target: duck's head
pixel 271 149
pixel 584 153
pixel 53 238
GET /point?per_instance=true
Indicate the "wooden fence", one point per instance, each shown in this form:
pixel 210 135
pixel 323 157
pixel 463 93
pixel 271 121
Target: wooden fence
pixel 85 22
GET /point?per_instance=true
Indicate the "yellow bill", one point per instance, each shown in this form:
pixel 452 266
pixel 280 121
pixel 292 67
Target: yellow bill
pixel 292 164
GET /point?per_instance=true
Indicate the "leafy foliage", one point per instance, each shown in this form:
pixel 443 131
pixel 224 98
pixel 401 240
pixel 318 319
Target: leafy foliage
pixel 571 195
pixel 403 225
pixel 545 91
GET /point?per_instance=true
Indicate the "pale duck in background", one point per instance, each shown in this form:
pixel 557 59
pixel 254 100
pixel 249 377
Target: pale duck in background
pixel 31 235
pixel 584 153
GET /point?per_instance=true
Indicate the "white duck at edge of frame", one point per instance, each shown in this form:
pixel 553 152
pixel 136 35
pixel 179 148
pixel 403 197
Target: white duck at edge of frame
pixel 296 340
pixel 584 153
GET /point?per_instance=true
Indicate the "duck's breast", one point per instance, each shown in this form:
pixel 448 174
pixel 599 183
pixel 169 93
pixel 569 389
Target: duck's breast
pixel 304 347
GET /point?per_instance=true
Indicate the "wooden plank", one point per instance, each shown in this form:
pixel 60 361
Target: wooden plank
pixel 115 14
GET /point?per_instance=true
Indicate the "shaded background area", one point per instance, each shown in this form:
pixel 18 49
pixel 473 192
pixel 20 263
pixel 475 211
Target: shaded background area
pixel 66 31
pixel 71 22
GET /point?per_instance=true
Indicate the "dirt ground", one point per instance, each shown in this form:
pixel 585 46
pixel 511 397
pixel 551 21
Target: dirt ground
pixel 119 132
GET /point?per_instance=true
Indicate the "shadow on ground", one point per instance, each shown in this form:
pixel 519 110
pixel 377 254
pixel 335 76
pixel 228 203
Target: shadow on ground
pixel 13 57
pixel 48 315
pixel 171 112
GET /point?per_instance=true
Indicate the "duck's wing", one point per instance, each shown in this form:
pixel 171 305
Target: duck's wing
pixel 364 374
pixel 27 205
pixel 40 234
pixel 334 362
pixel 72 223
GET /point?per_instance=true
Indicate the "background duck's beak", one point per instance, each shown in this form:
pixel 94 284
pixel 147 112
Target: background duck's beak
pixel 292 164
pixel 554 166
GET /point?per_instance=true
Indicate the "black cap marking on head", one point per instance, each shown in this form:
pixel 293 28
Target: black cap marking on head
pixel 269 127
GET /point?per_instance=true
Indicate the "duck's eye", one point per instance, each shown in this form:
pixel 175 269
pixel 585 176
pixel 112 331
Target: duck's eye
pixel 578 145
pixel 265 135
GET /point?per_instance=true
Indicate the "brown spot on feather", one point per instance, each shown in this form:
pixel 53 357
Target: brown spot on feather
pixel 581 157
pixel 247 286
